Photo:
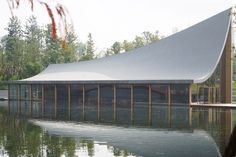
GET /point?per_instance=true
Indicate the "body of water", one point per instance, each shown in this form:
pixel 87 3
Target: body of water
pixel 166 132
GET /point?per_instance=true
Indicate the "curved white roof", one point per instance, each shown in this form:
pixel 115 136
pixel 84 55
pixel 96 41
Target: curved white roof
pixel 188 56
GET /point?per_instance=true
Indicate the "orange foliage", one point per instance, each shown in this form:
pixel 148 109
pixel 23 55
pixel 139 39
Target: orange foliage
pixel 14 4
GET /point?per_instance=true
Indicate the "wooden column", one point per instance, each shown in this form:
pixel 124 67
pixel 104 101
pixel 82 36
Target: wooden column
pixel 42 101
pixel 169 94
pixel 99 102
pixel 131 102
pixel 226 73
pixel 114 102
pixel 31 100
pixel 197 93
pixel 83 100
pixel 55 100
pixel 19 98
pixel 8 102
pixel 69 100
pixel 190 117
pixel 149 104
pixel 190 95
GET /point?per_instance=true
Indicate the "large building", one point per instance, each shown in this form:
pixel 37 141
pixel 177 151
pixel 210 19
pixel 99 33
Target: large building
pixel 191 66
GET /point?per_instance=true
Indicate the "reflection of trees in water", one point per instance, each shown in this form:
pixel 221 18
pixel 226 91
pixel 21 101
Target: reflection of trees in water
pixel 20 138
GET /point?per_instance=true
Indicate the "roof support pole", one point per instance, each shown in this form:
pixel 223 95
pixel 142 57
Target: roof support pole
pixel 169 104
pixel 55 100
pixel 69 100
pixel 83 101
pixel 226 75
pixel 190 117
pixel 114 102
pixel 169 94
pixel 31 100
pixel 131 102
pixel 42 100
pixel 19 98
pixel 8 102
pixel 190 95
pixel 150 104
pixel 99 102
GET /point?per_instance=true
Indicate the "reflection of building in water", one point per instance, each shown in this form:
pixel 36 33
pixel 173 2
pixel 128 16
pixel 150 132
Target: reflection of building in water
pixel 212 120
pixel 192 65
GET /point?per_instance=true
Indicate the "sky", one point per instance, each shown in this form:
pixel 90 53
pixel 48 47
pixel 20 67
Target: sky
pixel 118 20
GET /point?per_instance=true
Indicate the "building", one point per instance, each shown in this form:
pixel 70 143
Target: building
pixel 193 65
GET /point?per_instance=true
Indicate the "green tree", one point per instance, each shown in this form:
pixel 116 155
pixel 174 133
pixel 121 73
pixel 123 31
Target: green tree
pixel 127 46
pixel 33 48
pixel 70 52
pixel 13 48
pixel 138 42
pixel 89 52
pixel 116 48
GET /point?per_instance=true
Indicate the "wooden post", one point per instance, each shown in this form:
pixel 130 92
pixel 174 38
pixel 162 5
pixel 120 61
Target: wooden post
pixel 169 116
pixel 42 101
pixel 69 100
pixel 83 100
pixel 190 117
pixel 98 102
pixel 55 100
pixel 31 100
pixel 132 102
pixel 209 95
pixel 197 93
pixel 19 98
pixel 114 102
pixel 149 104
pixel 190 95
pixel 226 72
pixel 169 95
pixel 8 102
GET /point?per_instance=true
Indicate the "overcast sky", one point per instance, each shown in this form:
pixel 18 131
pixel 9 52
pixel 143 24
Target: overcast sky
pixel 117 20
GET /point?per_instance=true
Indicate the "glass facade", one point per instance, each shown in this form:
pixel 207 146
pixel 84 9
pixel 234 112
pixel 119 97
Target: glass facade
pixel 123 103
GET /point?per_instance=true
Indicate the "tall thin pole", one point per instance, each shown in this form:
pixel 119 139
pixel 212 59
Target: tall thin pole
pixel 132 102
pixel 149 104
pixel 69 100
pixel 98 102
pixel 190 95
pixel 114 102
pixel 19 98
pixel 169 95
pixel 55 100
pixel 83 100
pixel 9 97
pixel 31 100
pixel 42 101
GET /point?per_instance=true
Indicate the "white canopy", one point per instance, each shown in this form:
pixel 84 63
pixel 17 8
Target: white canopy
pixel 185 57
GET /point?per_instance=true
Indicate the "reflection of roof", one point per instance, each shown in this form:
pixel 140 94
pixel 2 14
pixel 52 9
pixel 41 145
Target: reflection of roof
pixel 188 56
pixel 140 141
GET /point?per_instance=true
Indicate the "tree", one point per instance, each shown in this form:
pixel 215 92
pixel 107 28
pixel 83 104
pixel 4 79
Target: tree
pixel 116 48
pixel 13 47
pixel 138 42
pixel 89 52
pixel 127 46
pixel 150 37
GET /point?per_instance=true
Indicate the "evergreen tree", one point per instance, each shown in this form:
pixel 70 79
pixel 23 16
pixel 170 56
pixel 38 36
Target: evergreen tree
pixel 13 47
pixel 89 52
pixel 116 48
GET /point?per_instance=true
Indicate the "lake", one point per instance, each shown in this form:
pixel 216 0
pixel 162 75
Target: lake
pixel 168 131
